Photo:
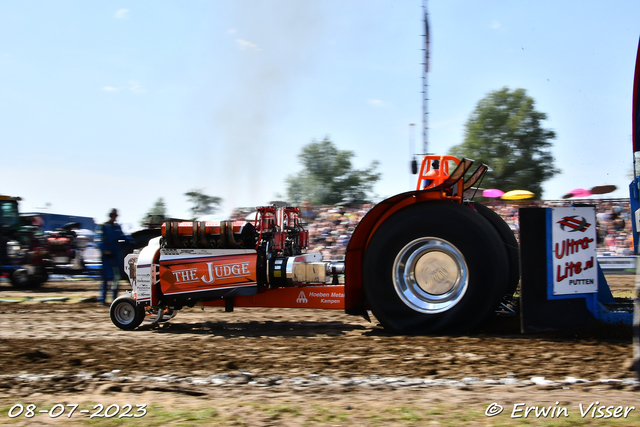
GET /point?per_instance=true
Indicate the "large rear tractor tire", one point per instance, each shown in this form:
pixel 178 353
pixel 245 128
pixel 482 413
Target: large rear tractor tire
pixel 434 267
pixel 510 244
pixel 125 313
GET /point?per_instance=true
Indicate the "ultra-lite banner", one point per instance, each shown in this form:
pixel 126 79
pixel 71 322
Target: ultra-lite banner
pixel 571 251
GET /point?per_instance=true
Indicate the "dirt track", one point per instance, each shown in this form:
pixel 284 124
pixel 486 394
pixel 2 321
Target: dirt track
pixel 295 357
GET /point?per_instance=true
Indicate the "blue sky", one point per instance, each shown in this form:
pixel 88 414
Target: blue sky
pixel 115 104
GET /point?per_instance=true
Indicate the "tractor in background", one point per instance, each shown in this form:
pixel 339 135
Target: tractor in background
pixel 22 252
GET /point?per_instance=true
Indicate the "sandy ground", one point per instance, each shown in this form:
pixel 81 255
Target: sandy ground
pixel 294 367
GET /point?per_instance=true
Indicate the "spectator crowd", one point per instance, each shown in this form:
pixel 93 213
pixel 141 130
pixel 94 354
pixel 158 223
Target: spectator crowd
pixel 613 219
pixel 331 227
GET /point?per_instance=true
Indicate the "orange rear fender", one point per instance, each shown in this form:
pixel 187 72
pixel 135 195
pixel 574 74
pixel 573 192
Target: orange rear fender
pixel 450 188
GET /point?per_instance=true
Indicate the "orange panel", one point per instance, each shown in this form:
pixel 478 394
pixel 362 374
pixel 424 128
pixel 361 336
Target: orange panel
pixel 326 297
pixel 209 273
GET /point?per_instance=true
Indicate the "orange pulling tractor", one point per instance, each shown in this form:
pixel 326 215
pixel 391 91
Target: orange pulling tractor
pixel 424 261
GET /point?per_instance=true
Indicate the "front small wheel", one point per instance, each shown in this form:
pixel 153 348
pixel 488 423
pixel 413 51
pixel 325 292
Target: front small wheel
pixel 126 314
pixel 21 279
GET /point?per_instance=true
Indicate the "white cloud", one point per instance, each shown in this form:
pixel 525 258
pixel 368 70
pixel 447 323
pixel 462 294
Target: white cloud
pixel 495 25
pixel 122 14
pixel 375 102
pixel 244 45
pixel 135 87
pixel 231 31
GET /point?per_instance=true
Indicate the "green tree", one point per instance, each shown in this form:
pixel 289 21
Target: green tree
pixel 328 176
pixel 202 203
pixel 156 214
pixel 505 132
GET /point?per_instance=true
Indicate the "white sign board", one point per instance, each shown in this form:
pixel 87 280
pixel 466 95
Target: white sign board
pixel 143 284
pixel 573 250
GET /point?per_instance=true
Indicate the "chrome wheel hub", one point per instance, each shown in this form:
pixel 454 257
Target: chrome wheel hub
pixel 430 275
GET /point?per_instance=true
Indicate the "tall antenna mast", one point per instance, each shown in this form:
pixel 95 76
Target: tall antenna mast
pixel 425 70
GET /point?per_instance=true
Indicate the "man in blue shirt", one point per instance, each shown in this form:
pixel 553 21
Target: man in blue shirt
pixel 110 238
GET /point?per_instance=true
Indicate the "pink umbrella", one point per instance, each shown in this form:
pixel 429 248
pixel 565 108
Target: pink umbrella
pixel 578 192
pixel 492 192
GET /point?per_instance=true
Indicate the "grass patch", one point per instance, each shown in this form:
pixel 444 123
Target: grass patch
pixel 158 416
pixel 250 413
pixel 623 294
pixel 277 411
pixel 405 414
pixel 324 415
pixel 4 413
